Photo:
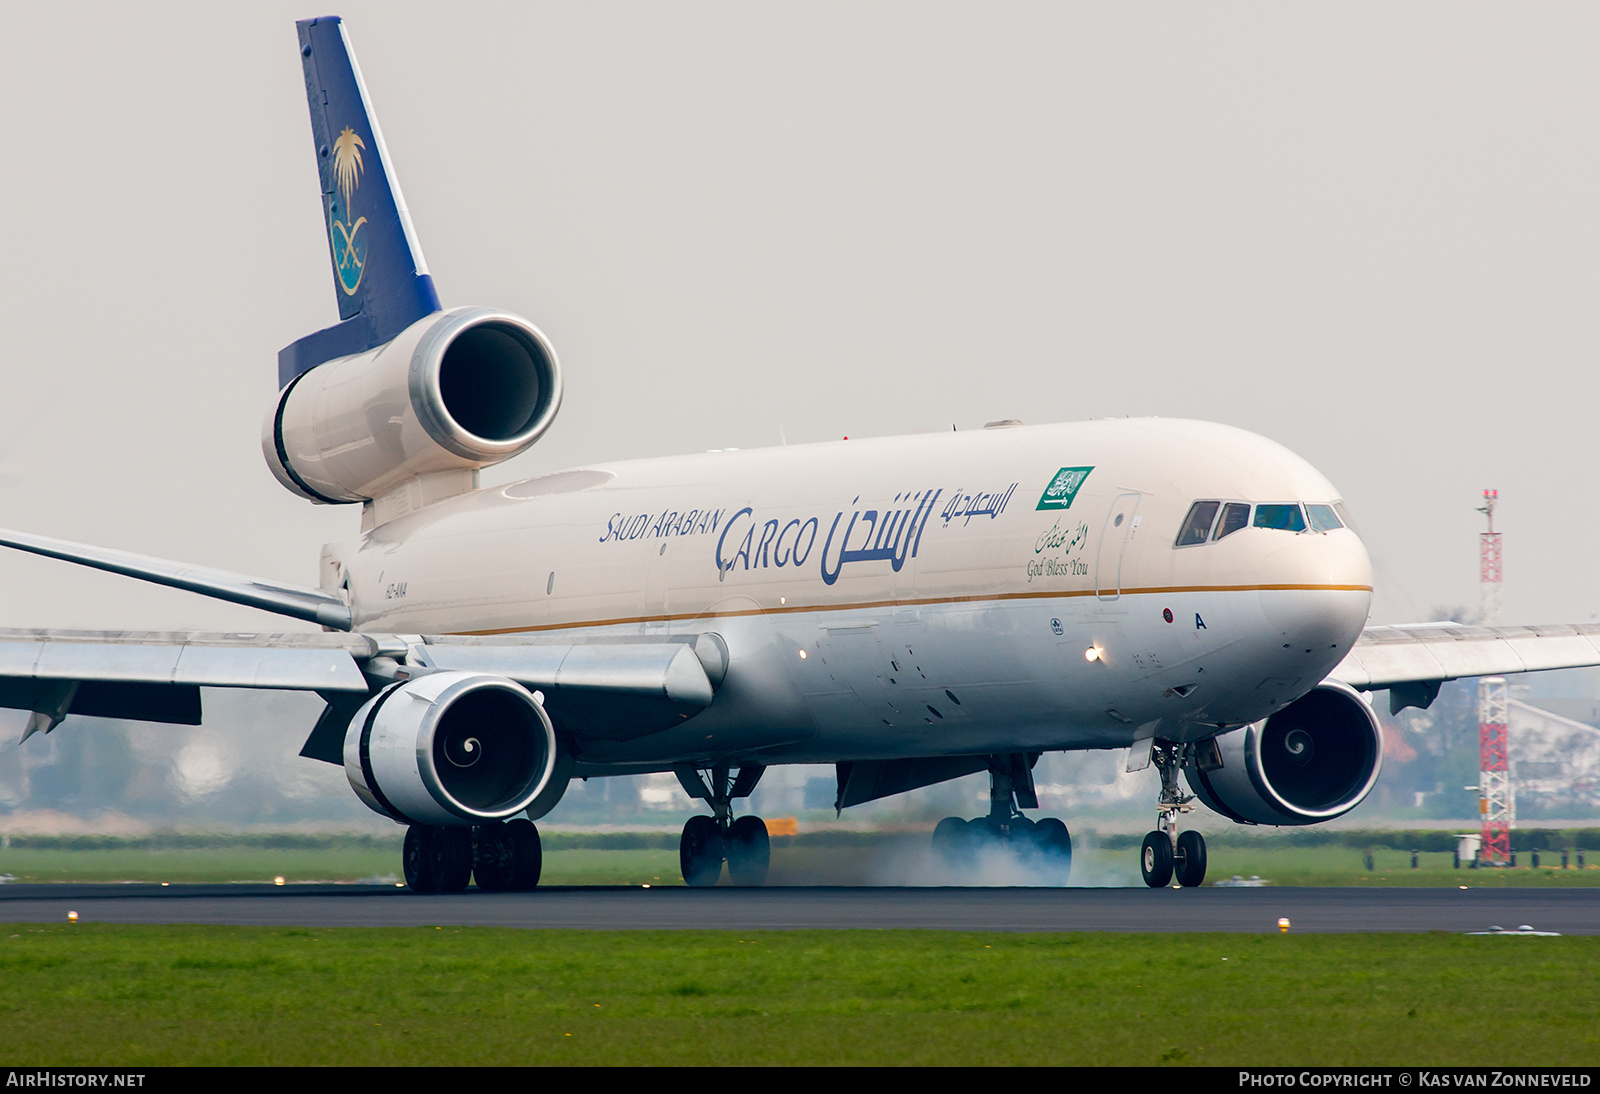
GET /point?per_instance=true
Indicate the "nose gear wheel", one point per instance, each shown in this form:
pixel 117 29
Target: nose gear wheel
pixel 1165 852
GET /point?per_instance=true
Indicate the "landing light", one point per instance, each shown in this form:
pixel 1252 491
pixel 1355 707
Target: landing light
pixel 802 655
pixel 1091 654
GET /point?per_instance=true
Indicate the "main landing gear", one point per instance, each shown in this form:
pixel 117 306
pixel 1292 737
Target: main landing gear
pixel 502 856
pixel 1166 852
pixel 964 844
pixel 708 841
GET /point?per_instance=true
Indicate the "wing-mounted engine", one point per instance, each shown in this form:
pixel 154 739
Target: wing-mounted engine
pixel 450 749
pixel 455 391
pixel 1314 760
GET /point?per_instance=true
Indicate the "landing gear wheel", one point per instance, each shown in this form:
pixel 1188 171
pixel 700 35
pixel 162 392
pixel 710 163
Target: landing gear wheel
pixel 1020 833
pixel 700 852
pixel 494 867
pixel 1189 862
pixel 1054 844
pixel 749 851
pixel 451 859
pixel 951 843
pixel 416 859
pixel 527 852
pixel 1155 860
pixel 986 836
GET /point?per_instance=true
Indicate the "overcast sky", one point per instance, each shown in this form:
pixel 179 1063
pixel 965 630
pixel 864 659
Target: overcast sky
pixel 1367 231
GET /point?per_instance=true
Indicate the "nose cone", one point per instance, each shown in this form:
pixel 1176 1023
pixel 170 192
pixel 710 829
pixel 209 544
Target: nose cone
pixel 1316 590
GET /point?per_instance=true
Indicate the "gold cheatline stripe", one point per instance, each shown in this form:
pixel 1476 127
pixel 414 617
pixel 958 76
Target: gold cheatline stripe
pixel 788 608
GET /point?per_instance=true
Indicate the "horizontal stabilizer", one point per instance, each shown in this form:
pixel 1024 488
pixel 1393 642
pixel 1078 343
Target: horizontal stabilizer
pixel 294 601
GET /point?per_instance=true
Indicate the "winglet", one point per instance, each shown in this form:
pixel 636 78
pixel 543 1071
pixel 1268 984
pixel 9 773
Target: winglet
pixel 380 278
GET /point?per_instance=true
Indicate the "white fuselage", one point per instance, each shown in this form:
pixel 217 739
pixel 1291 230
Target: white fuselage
pixel 911 596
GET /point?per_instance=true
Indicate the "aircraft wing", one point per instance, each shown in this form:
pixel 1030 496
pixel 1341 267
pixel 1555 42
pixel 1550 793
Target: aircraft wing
pixel 156 676
pixel 612 687
pixel 597 687
pixel 606 687
pixel 280 598
pixel 1413 660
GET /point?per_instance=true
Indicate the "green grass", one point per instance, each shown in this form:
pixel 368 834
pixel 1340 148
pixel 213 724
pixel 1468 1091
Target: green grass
pixel 627 867
pixel 200 864
pixel 1344 866
pixel 578 867
pixel 886 859
pixel 94 994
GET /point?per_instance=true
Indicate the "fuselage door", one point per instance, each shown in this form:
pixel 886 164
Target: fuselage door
pixel 1113 537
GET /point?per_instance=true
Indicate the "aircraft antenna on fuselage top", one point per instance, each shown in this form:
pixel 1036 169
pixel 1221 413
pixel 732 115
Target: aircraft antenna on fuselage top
pixel 380 278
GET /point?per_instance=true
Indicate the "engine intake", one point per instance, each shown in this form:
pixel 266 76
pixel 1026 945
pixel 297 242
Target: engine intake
pixel 458 390
pixel 1314 760
pixel 450 749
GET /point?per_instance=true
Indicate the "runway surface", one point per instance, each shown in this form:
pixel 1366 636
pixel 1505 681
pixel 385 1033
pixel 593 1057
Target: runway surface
pixel 1569 911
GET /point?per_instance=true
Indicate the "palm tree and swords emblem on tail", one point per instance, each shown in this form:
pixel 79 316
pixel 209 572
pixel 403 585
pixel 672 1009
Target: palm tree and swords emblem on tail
pixel 349 257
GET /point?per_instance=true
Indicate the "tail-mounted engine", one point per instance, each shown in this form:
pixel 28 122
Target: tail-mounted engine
pixel 1314 760
pixel 455 391
pixel 450 749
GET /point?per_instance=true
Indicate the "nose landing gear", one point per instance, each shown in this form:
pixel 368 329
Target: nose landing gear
pixel 707 841
pixel 1166 853
pixel 962 844
pixel 1189 859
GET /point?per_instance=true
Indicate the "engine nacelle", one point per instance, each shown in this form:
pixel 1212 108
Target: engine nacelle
pixel 1314 760
pixel 456 391
pixel 450 749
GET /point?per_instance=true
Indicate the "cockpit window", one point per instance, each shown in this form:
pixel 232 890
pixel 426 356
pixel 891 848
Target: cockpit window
pixel 1235 515
pixel 1197 525
pixel 1284 518
pixel 1323 518
pixel 1223 518
pixel 1343 512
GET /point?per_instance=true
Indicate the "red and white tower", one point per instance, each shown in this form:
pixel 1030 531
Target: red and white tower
pixel 1497 806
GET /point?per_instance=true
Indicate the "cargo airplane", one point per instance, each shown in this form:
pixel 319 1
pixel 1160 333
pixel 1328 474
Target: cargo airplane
pixel 909 609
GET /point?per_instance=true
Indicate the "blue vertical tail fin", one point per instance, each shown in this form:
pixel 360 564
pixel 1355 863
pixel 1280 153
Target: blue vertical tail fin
pixel 379 276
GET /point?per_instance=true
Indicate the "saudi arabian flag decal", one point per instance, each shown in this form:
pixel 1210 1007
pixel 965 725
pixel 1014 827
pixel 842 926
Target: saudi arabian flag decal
pixel 1063 488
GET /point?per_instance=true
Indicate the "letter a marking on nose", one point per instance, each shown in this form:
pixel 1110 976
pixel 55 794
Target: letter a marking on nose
pixel 1199 624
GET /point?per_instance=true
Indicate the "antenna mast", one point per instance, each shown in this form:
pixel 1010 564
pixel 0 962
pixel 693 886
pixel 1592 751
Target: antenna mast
pixel 1497 806
pixel 1489 564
